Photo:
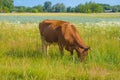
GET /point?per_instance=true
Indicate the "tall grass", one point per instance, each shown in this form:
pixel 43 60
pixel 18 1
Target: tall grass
pixel 20 54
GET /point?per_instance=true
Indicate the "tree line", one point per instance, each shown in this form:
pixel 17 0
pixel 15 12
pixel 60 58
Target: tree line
pixel 89 7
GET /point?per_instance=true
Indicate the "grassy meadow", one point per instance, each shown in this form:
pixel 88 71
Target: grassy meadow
pixel 20 48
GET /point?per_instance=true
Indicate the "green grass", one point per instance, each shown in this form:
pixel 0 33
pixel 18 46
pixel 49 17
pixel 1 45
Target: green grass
pixel 21 57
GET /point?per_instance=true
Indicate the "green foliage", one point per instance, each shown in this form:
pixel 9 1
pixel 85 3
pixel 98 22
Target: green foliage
pixel 6 5
pixel 20 9
pixel 106 6
pixel 58 7
pixel 79 8
pixel 6 9
pixel 116 8
pixel 70 9
pixel 29 9
pixel 35 10
pixel 89 8
pixel 47 6
pixel 39 8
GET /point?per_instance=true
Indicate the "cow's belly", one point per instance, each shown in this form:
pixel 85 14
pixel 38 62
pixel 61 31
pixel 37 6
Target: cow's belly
pixel 51 39
pixel 50 36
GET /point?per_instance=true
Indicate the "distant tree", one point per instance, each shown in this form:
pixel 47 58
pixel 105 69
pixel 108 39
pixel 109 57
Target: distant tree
pixel 29 9
pixel 68 9
pixel 80 8
pixel 6 9
pixel 96 8
pixel 1 5
pixel 6 5
pixel 39 8
pixel 47 6
pixel 59 7
pixel 106 6
pixel 89 7
pixel 20 9
pixel 34 10
pixel 72 9
pixel 116 8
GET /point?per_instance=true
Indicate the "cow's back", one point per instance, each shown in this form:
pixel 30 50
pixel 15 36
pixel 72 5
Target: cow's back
pixel 49 30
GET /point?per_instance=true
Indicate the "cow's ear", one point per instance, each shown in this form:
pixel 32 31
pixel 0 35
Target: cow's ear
pixel 86 49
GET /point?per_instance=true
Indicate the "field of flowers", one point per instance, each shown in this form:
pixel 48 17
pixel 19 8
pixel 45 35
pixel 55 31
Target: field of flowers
pixel 71 17
pixel 20 48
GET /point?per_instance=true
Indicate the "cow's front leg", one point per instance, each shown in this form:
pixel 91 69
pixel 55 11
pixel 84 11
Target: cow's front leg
pixel 73 58
pixel 47 49
pixel 61 50
pixel 43 45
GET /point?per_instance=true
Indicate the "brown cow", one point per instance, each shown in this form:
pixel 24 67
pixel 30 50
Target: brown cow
pixel 64 34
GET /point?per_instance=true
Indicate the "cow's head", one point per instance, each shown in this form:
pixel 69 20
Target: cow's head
pixel 82 53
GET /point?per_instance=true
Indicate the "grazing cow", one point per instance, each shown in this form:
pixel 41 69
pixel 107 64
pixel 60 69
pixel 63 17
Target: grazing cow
pixel 64 34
